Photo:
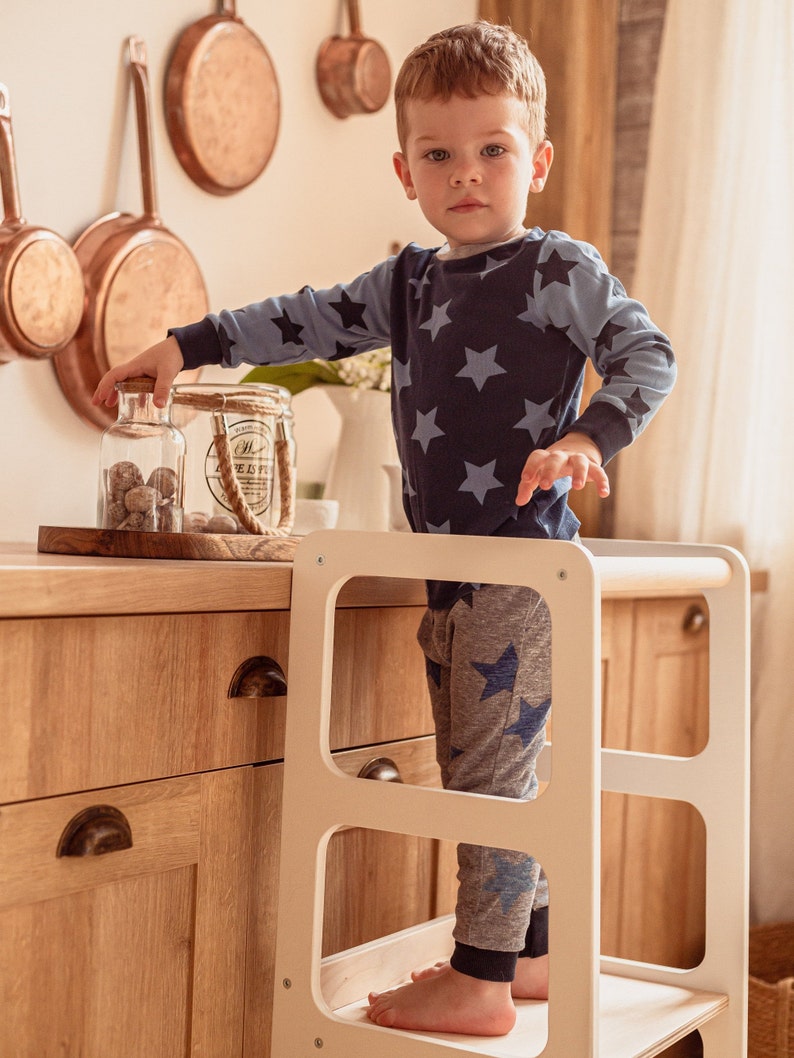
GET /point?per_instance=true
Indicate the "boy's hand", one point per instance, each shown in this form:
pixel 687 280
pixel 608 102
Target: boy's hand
pixel 162 362
pixel 574 456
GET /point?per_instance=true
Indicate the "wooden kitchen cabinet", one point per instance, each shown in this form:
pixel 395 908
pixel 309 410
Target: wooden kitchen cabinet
pixel 114 690
pixel 120 686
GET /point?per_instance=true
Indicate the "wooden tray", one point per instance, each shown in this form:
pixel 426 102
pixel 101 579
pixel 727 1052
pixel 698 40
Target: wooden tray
pixel 120 543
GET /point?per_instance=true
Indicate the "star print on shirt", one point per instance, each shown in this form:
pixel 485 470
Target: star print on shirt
pixel 529 313
pixel 617 368
pixel 480 480
pixel 661 343
pixel 490 264
pixel 438 319
pixel 511 880
pixel 420 284
pixel 500 675
pixel 480 366
pixel 350 312
pixel 426 428
pixel 342 352
pixel 536 418
pixel 637 405
pixel 609 331
pixel 531 719
pixel 439 529
pixel 555 270
pixel 290 332
pixel 401 373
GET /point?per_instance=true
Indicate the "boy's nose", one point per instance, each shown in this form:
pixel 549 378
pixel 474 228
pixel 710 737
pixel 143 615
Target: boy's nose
pixel 466 174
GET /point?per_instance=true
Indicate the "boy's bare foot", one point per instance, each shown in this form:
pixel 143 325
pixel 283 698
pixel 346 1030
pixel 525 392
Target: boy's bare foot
pixel 446 1001
pixel 531 980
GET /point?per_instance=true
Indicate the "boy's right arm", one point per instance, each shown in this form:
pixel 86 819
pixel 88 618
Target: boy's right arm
pixel 162 362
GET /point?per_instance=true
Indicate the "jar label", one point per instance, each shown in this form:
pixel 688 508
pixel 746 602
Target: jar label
pixel 252 448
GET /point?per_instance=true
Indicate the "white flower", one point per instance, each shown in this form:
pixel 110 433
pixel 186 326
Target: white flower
pixel 366 370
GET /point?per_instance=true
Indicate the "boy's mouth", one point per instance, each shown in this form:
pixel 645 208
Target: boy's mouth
pixel 467 205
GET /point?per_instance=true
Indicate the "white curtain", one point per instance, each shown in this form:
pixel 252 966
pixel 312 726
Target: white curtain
pixel 716 268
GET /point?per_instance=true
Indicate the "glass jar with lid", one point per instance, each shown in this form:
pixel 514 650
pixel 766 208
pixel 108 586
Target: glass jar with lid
pixel 141 464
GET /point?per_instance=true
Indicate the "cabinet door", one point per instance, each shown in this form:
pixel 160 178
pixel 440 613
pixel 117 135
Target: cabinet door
pixel 137 951
pixel 654 850
pixel 103 701
pixel 263 910
pixel 617 630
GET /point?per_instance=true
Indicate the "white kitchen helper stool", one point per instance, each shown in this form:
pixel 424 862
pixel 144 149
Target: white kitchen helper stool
pixel 598 1008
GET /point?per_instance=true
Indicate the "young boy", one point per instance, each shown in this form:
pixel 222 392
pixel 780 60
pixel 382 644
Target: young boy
pixel 490 335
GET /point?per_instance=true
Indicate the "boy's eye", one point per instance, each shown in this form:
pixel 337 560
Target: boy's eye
pixel 438 154
pixel 493 150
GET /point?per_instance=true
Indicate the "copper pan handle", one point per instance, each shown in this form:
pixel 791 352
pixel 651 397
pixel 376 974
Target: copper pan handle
pixel 355 18
pixel 140 81
pixel 8 165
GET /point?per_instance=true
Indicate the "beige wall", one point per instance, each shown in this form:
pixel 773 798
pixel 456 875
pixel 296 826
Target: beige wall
pixel 325 209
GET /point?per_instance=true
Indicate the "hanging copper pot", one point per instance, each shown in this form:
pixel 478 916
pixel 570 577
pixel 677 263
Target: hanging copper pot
pixel 40 277
pixel 353 72
pixel 140 279
pixel 222 102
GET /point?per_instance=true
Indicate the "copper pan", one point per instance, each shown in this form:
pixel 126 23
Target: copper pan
pixel 353 73
pixel 222 102
pixel 140 279
pixel 41 285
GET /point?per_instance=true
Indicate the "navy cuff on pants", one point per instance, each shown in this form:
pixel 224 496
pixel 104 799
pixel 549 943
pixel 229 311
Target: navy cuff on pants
pixel 483 964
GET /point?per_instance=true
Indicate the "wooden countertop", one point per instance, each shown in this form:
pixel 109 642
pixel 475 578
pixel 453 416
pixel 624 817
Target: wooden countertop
pixel 45 585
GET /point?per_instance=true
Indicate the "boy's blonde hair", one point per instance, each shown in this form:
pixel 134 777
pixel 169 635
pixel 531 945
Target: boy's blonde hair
pixel 479 58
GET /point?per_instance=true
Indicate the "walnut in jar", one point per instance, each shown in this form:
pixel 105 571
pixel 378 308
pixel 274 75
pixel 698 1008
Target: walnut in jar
pixel 164 480
pixel 142 498
pixel 115 513
pixel 123 476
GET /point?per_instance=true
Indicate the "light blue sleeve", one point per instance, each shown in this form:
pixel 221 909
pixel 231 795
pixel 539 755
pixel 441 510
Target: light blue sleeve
pixel 311 324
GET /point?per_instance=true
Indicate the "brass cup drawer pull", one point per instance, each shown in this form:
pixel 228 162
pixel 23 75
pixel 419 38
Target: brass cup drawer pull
pixel 258 677
pixel 383 769
pixel 95 831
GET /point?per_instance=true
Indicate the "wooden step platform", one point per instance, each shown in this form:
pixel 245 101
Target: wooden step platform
pixel 639 1019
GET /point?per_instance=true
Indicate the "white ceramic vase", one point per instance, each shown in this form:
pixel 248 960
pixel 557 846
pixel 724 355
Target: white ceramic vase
pixel 356 478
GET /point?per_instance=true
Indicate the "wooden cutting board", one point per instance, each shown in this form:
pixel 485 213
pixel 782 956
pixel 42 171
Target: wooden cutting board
pixel 120 543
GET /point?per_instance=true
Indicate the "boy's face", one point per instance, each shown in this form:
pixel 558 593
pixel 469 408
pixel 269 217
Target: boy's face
pixel 470 165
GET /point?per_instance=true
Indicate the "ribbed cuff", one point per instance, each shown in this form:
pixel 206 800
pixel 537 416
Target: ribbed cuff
pixel 483 964
pixel 537 935
pixel 198 343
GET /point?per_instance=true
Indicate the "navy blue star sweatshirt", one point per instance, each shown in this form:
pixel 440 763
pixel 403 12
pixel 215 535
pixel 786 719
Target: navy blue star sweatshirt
pixel 488 358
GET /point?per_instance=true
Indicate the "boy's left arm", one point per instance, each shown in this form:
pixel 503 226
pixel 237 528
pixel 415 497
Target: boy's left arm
pixel 633 358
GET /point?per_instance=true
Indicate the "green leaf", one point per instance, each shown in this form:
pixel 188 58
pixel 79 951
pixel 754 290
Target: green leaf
pixel 295 377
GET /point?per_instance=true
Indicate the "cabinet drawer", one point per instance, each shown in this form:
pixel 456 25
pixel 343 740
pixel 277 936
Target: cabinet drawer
pixel 100 701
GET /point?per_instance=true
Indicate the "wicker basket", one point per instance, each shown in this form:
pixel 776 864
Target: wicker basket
pixel 771 1011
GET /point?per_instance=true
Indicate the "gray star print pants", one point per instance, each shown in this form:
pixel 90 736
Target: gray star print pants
pixel 488 661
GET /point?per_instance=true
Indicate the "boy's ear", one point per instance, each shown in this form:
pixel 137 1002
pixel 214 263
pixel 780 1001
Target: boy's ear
pixel 400 163
pixel 541 164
